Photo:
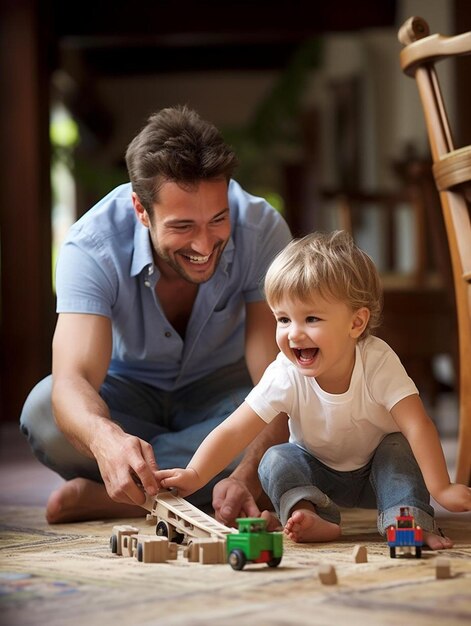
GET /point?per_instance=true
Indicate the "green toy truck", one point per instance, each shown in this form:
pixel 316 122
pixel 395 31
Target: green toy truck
pixel 254 544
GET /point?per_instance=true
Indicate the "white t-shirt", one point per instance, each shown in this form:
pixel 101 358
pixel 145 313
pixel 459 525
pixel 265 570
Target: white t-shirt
pixel 340 430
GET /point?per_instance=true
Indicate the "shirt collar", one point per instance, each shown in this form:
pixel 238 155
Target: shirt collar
pixel 227 255
pixel 142 254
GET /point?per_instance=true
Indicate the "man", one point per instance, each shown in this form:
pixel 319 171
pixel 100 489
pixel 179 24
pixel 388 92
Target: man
pixel 162 328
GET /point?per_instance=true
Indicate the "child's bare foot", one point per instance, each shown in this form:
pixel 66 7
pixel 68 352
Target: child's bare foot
pixel 437 542
pixel 273 523
pixel 306 526
pixel 81 499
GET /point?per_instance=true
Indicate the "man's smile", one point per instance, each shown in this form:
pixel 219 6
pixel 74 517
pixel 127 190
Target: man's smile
pixel 199 260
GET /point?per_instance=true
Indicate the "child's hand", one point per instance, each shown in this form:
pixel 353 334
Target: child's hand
pixel 454 497
pixel 186 481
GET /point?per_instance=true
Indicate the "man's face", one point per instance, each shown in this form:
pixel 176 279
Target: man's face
pixel 188 229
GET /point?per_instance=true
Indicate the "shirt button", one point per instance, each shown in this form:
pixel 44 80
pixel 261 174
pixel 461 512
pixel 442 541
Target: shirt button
pixel 168 333
pixel 147 283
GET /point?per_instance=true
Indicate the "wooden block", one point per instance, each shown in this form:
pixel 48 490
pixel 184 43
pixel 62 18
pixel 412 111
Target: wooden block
pixel 209 553
pixel 172 551
pixel 442 567
pixel 155 549
pixel 327 574
pixel 360 554
pixel 206 550
pixel 191 552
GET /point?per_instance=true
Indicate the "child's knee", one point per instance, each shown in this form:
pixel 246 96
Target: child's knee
pixel 273 461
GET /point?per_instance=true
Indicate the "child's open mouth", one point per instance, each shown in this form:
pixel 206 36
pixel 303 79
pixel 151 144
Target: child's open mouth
pixel 305 356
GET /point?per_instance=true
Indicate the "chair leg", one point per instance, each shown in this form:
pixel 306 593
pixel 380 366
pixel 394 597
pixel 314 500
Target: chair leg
pixel 463 457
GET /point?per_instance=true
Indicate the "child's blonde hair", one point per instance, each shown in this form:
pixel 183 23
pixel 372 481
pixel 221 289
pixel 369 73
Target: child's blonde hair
pixel 330 264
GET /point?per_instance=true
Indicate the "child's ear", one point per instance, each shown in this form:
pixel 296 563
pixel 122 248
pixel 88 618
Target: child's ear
pixel 359 321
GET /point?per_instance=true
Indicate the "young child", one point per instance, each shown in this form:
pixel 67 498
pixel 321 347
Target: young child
pixel 359 434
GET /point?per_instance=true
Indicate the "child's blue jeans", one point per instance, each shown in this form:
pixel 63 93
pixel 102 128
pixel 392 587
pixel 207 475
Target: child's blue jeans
pixel 391 479
pixel 175 423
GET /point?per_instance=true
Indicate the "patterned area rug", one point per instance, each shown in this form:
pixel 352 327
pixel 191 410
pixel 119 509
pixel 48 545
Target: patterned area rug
pixel 66 575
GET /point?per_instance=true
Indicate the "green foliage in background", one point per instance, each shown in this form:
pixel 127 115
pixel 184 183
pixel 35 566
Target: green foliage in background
pixel 274 130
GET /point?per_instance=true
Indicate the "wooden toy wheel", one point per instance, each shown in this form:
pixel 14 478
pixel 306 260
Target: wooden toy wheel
pixel 162 529
pixel 114 544
pixel 178 538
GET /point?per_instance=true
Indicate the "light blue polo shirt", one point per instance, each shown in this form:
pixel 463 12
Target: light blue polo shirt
pixel 106 267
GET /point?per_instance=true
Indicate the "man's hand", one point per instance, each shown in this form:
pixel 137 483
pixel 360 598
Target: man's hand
pixel 127 465
pixel 82 349
pixel 232 499
pixel 238 495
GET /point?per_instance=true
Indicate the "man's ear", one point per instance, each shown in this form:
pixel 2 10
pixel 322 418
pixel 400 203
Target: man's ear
pixel 140 211
pixel 359 321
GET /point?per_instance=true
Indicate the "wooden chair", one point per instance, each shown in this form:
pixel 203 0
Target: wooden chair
pixel 452 172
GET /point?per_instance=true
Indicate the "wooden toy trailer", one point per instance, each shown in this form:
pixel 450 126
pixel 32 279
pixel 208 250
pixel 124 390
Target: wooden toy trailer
pixel 179 520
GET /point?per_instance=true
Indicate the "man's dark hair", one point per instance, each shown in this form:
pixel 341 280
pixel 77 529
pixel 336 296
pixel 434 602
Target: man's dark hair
pixel 176 145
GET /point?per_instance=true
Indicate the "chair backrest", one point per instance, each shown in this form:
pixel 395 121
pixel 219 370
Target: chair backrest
pixel 452 172
pixel 402 228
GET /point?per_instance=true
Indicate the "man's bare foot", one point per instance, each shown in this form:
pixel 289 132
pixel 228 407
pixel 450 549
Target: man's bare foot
pixel 273 523
pixel 306 526
pixel 437 542
pixel 80 500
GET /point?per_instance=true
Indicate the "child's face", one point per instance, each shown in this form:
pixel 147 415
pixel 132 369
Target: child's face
pixel 319 337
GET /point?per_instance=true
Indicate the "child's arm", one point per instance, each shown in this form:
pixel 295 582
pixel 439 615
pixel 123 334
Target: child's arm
pixel 420 432
pixel 217 450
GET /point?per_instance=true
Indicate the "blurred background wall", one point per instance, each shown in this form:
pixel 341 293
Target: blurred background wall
pixel 314 107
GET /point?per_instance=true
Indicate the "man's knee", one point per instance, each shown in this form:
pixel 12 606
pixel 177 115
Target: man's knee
pixel 36 419
pixel 47 442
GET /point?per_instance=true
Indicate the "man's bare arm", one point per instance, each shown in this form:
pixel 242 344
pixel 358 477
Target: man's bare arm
pixel 81 356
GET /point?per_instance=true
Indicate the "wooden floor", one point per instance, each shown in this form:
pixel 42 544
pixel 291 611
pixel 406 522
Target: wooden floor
pixel 66 575
pixel 23 480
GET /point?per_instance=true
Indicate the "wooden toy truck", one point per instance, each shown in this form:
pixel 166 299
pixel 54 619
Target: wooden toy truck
pixel 120 539
pixel 177 521
pixel 127 541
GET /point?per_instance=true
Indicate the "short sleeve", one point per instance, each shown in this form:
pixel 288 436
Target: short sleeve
pixel 390 382
pixel 273 394
pixel 83 279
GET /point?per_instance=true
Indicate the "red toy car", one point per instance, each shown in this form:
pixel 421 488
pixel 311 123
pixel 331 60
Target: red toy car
pixel 405 534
